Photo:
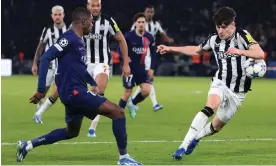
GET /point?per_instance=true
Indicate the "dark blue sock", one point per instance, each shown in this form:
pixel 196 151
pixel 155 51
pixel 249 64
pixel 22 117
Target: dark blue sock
pixel 122 103
pixel 119 131
pixel 139 98
pixel 50 138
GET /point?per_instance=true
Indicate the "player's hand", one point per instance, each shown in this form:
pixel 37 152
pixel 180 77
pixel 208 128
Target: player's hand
pixel 126 70
pixel 36 97
pixel 150 73
pixel 163 49
pixel 233 51
pixel 34 69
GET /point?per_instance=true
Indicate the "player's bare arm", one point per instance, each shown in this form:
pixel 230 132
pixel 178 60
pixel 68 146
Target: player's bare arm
pixel 254 51
pixel 38 52
pixel 123 47
pixel 186 50
pixel 166 38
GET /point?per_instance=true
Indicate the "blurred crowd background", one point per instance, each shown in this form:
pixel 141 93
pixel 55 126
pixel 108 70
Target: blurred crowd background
pixel 186 21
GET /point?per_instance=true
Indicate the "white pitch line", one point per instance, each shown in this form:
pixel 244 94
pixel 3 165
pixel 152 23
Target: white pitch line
pixel 154 141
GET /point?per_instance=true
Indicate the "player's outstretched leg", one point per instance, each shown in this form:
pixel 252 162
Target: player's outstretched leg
pixel 156 106
pixel 211 128
pixel 198 124
pixel 117 115
pixel 72 130
pixel 46 105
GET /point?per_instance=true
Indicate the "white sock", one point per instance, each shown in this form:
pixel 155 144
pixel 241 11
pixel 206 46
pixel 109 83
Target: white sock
pixel 123 156
pixel 94 122
pixel 152 95
pixel 138 90
pixel 47 104
pixel 206 131
pixel 29 146
pixel 40 103
pixel 197 125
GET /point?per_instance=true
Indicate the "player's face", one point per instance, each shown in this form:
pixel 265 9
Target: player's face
pixel 88 25
pixel 94 7
pixel 58 17
pixel 140 24
pixel 225 31
pixel 149 13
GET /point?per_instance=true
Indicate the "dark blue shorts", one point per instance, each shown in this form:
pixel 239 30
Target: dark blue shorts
pixel 82 103
pixel 136 78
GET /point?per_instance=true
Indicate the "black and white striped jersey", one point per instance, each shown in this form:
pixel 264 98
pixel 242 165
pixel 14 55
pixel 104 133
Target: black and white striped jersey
pixel 152 27
pixel 49 36
pixel 97 42
pixel 231 68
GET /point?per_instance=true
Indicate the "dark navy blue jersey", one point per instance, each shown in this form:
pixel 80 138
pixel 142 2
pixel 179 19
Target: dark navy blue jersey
pixel 138 48
pixel 71 71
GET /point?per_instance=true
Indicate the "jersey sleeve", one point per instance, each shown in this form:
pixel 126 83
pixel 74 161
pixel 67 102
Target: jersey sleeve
pixel 246 39
pixel 205 45
pixel 44 37
pixel 113 27
pixel 159 27
pixel 53 52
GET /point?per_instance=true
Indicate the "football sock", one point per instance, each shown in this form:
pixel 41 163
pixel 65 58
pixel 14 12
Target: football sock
pixel 206 131
pixel 46 105
pixel 197 125
pixel 153 95
pixel 139 98
pixel 50 138
pixel 122 103
pixel 119 131
pixel 138 90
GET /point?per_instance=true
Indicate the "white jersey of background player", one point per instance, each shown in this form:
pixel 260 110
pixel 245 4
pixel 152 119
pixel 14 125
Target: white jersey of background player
pixel 154 28
pixel 231 47
pixel 49 36
pixel 98 51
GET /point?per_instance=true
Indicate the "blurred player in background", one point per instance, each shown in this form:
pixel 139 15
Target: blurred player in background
pixel 71 80
pixel 232 47
pixel 99 56
pixel 154 28
pixel 48 38
pixel 139 42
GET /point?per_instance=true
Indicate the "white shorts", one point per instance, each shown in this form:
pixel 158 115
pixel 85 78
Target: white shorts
pixel 230 101
pixel 50 78
pixel 147 62
pixel 95 69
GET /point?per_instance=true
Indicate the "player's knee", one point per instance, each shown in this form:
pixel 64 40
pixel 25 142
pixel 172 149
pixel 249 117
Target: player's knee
pixel 72 134
pixel 118 113
pixel 145 91
pixel 208 111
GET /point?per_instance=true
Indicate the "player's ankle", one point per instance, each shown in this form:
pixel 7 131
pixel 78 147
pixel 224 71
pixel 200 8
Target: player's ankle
pixel 29 146
pixel 123 156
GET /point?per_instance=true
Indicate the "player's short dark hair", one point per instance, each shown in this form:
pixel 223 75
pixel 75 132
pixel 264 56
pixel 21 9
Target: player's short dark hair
pixel 137 16
pixel 79 13
pixel 224 15
pixel 149 7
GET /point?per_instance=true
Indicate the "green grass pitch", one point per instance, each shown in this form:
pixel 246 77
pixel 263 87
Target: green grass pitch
pixel 249 138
